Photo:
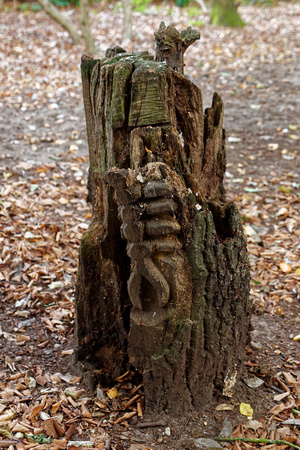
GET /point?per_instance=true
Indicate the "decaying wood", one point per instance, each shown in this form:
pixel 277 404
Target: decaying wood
pixel 171 45
pixel 163 278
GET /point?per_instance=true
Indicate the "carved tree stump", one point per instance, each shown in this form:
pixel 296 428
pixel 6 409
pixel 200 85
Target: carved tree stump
pixel 163 281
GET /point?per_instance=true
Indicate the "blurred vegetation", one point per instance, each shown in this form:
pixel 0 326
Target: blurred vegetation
pixel 140 5
pixel 191 7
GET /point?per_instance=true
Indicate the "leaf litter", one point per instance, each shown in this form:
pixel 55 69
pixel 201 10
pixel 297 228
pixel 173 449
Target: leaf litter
pixel 43 213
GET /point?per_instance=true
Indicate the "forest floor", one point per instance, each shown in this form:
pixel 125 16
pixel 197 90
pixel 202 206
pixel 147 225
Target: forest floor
pixel 43 213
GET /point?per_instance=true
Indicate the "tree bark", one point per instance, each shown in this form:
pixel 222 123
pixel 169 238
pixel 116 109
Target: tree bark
pixel 85 27
pixel 61 19
pixel 163 281
pixel 224 13
pixel 127 25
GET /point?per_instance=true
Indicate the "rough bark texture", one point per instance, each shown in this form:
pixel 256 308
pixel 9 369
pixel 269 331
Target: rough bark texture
pixel 127 25
pixel 163 275
pixel 171 45
pixel 84 22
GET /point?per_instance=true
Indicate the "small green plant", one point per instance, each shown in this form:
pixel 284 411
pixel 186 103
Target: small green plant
pixel 181 3
pixel 26 6
pixel 193 11
pixel 60 2
pixel 196 23
pixel 140 5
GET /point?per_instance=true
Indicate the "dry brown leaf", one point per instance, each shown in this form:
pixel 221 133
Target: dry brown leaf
pixel 85 411
pixel 70 432
pixel 60 430
pixel 55 407
pixel 35 412
pixel 59 443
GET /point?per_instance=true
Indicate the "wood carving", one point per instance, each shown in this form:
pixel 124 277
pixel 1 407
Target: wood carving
pixel 163 282
pixel 147 208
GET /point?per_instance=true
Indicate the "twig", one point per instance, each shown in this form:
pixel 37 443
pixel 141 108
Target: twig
pixel 257 441
pixel 274 388
pixel 150 424
pixel 295 411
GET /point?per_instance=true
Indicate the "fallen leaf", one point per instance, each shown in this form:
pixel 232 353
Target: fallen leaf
pixel 83 444
pixel 233 139
pixel 50 429
pixel 246 410
pixel 112 393
pixel 85 411
pixel 280 397
pixel 253 425
pixel 291 422
pixel 253 382
pixel 7 416
pixel 294 137
pixel 273 147
pixel 225 407
pixel 285 267
pixel 55 285
pixel 5 432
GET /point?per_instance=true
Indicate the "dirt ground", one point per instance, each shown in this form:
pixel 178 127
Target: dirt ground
pixel 43 213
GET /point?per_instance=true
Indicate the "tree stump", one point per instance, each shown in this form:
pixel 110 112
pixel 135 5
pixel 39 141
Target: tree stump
pixel 163 281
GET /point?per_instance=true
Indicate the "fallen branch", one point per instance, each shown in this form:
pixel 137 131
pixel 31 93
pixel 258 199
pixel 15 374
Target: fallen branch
pixel 160 423
pixel 257 441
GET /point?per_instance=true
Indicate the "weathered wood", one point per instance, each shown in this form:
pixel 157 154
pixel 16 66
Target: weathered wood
pixel 171 45
pixel 163 278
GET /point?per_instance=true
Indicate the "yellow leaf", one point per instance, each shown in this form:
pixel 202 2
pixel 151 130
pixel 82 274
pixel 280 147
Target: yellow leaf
pixel 297 338
pixel 246 410
pixel 285 267
pixel 294 137
pixel 112 393
pixel 298 271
